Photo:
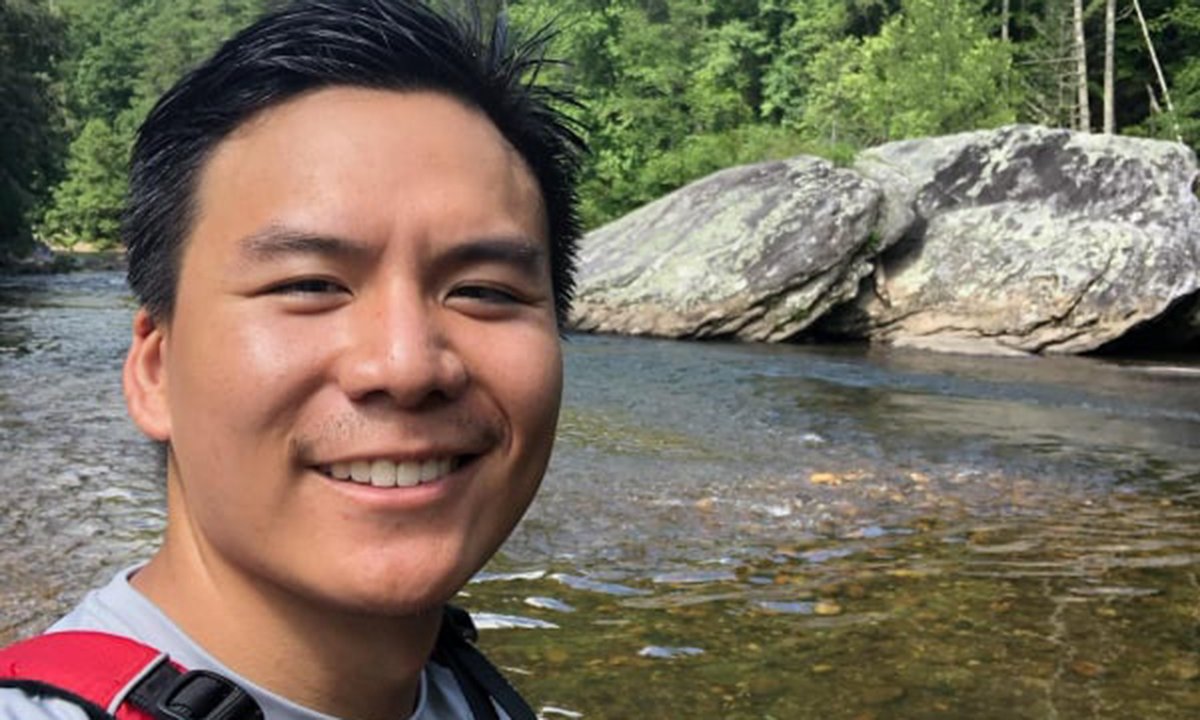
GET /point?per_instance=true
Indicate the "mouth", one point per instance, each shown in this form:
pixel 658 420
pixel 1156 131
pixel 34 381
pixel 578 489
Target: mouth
pixel 386 473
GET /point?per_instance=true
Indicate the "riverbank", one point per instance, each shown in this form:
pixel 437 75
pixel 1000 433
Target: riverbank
pixel 45 260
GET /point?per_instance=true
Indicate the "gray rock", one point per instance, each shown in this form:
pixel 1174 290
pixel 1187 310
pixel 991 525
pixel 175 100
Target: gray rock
pixel 1027 239
pixel 1178 329
pixel 755 252
pixel 1189 323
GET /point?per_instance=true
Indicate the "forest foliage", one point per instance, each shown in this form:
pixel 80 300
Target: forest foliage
pixel 672 89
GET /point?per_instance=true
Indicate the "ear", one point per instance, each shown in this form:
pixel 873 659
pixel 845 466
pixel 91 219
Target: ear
pixel 145 378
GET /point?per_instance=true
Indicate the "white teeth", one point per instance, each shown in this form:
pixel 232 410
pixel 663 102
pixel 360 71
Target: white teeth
pixel 383 473
pixel 429 470
pixel 360 471
pixel 407 474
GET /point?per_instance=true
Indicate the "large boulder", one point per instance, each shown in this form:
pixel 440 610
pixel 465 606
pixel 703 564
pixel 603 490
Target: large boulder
pixel 1176 330
pixel 756 252
pixel 1027 239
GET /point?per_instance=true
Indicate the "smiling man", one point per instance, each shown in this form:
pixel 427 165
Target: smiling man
pixel 351 233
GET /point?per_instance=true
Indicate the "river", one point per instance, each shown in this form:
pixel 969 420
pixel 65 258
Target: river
pixel 735 531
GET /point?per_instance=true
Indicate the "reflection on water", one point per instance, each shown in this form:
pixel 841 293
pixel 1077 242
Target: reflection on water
pixel 737 531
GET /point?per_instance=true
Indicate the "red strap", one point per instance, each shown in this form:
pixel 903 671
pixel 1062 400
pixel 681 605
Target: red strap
pixel 93 665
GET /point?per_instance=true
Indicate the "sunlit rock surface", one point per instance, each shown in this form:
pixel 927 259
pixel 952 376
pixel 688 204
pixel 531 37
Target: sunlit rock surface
pixel 1013 241
pixel 755 252
pixel 1029 240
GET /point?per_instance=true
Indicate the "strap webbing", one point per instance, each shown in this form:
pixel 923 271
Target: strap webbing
pixel 107 673
pixel 169 694
pixel 93 670
pixel 479 679
pixel 37 689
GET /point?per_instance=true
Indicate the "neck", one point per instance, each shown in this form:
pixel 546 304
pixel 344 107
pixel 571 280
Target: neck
pixel 343 662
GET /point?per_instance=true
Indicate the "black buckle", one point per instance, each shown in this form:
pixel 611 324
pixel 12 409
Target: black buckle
pixel 204 695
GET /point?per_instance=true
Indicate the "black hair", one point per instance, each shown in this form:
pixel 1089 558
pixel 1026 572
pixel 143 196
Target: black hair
pixel 403 45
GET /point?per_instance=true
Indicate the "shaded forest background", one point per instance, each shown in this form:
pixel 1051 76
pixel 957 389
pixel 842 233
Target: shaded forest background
pixel 674 89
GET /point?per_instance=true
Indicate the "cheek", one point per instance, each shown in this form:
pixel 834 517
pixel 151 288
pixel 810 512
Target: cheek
pixel 528 378
pixel 234 375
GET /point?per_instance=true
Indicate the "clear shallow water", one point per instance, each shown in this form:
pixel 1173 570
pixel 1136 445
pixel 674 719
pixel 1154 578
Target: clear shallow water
pixel 737 531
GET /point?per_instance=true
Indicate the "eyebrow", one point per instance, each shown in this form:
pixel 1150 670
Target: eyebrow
pixel 526 255
pixel 276 241
pixel 521 253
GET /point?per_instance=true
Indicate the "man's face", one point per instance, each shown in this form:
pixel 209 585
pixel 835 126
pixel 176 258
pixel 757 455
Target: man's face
pixel 366 290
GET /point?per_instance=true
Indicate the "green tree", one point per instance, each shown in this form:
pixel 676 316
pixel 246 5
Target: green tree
pixel 178 35
pixel 30 127
pixel 1044 56
pixel 105 53
pixel 933 68
pixel 806 29
pixel 87 204
pixel 675 89
pixel 1175 30
pixel 122 55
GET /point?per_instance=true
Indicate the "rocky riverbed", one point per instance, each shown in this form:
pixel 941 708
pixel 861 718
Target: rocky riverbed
pixel 735 530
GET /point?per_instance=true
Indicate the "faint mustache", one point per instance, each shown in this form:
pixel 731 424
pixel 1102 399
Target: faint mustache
pixel 357 429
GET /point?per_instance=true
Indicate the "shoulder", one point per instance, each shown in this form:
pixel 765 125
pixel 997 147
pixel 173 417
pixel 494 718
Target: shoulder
pixel 18 705
pixel 115 608
pixel 443 698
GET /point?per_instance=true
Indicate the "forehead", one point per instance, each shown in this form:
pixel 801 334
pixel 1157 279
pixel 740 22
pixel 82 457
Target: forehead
pixel 367 163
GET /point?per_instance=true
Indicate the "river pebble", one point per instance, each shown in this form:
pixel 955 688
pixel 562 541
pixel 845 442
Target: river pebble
pixel 482 577
pixel 577 582
pixel 693 577
pixel 549 711
pixel 1185 668
pixel 1087 668
pixel 1114 591
pixel 493 621
pixel 549 603
pixel 795 608
pixel 881 695
pixel 661 652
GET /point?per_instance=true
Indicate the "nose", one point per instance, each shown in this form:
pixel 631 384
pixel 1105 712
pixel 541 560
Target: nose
pixel 397 348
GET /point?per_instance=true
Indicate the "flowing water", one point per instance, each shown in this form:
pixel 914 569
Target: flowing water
pixel 736 531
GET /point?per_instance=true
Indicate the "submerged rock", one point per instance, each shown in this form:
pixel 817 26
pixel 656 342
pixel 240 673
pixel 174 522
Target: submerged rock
pixel 1027 239
pixel 36 258
pixel 756 252
pixel 667 653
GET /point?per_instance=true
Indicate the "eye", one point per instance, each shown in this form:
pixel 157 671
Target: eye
pixel 308 286
pixel 487 294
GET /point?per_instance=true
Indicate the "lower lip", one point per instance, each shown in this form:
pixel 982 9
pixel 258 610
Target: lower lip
pixel 410 497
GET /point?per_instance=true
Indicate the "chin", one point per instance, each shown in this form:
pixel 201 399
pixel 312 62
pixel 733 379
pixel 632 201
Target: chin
pixel 392 595
pixel 392 607
pixel 384 602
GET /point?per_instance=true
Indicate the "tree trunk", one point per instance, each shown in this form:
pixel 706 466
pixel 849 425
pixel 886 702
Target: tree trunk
pixel 1005 19
pixel 1081 75
pixel 1110 34
pixel 1162 81
pixel 1155 108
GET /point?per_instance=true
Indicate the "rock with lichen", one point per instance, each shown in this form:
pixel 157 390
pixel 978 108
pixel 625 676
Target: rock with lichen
pixel 1028 239
pixel 1010 241
pixel 756 252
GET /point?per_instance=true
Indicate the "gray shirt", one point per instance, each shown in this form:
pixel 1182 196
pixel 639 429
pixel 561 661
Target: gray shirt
pixel 120 609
